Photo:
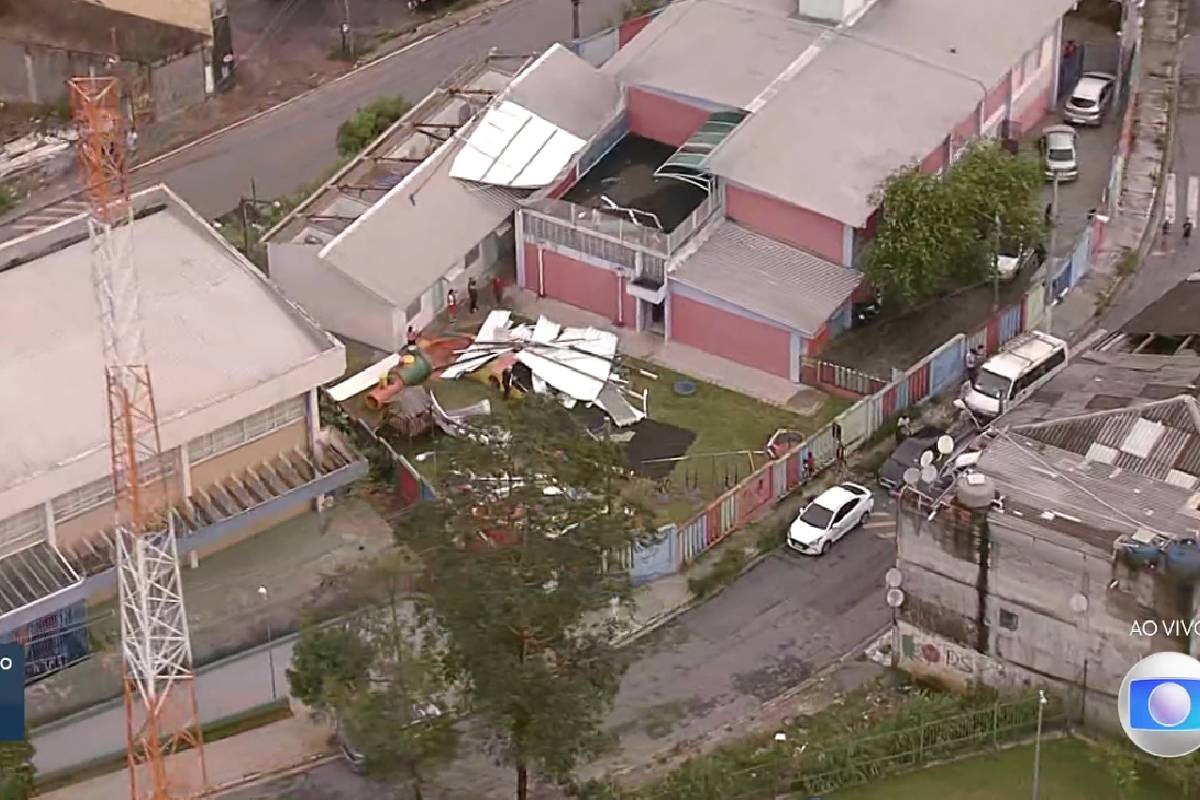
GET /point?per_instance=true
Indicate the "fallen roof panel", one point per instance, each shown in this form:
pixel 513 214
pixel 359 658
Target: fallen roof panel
pixel 365 379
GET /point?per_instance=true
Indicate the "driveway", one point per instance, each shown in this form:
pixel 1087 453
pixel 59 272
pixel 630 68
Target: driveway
pixel 780 623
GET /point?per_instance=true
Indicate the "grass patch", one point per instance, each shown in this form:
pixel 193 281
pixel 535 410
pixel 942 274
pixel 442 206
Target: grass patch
pixel 8 199
pixel 1068 772
pixel 1128 263
pixel 214 732
pixel 728 567
pixel 725 422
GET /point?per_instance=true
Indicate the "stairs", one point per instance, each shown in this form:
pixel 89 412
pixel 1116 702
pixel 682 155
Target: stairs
pixel 235 494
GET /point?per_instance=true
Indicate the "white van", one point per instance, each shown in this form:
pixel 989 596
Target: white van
pixel 1013 374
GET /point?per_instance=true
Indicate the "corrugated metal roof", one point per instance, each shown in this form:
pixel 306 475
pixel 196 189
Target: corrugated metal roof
pixel 782 283
pixel 569 92
pixel 1150 439
pixel 1176 313
pixel 31 574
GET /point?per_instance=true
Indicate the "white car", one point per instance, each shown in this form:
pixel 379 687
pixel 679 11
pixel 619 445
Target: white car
pixel 833 514
pixel 1090 98
pixel 1058 153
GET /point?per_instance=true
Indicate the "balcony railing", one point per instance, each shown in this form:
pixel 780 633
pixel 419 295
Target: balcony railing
pixel 610 238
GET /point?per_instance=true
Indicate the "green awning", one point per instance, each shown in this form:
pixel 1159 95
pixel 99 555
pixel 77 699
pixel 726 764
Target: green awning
pixel 687 163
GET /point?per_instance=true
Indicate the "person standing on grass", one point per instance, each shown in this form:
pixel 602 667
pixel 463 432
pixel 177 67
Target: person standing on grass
pixel 472 296
pixel 452 305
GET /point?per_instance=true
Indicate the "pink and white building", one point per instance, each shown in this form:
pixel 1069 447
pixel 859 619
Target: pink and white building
pixel 832 97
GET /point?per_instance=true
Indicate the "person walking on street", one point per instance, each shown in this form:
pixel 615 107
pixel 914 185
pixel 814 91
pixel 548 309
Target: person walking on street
pixel 1187 230
pixel 472 296
pixel 903 429
pixel 810 466
pixel 412 338
pixel 452 305
pixel 498 289
pixel 972 362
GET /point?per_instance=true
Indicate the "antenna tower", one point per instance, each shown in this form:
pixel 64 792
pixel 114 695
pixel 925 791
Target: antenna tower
pixel 160 701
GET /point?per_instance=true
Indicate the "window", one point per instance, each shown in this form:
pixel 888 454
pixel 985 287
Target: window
pixel 472 256
pixel 238 433
pixel 413 310
pixel 94 494
pixel 24 525
pixel 1008 620
pixel 1056 360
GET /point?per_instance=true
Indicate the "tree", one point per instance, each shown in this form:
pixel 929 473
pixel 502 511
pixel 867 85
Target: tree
pixel 517 546
pixel 328 662
pixel 16 770
pixel 938 233
pixel 368 122
pixel 400 718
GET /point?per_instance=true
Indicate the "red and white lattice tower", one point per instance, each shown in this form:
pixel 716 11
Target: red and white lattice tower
pixel 160 702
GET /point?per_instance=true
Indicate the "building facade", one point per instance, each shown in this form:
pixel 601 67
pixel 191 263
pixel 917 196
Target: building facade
pixel 236 370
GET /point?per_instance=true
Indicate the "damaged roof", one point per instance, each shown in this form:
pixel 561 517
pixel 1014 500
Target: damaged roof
pixel 1160 440
pixel 781 283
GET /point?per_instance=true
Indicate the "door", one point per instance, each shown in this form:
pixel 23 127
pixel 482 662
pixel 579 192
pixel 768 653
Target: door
pixel 842 521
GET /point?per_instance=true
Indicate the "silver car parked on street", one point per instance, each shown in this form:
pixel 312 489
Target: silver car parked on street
pixel 1090 99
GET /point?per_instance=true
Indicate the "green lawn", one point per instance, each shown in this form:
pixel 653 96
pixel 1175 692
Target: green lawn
pixel 1069 772
pixel 725 422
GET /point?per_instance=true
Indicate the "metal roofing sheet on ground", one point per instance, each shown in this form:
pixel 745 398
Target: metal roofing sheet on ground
pixel 782 283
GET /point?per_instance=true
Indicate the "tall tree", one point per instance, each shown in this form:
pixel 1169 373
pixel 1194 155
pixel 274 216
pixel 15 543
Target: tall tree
pixel 939 233
pixel 517 547
pixel 16 770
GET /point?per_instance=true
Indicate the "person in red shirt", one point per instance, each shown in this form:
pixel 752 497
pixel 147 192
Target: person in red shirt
pixel 498 289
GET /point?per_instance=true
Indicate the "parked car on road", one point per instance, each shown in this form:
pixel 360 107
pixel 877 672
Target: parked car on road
pixel 907 454
pixel 1010 261
pixel 1013 374
pixel 1058 153
pixel 833 514
pixel 1090 99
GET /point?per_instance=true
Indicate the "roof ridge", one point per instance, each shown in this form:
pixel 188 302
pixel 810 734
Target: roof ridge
pixel 1187 400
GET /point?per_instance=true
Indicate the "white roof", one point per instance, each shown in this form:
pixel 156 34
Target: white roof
pixel 713 50
pixel 562 88
pixel 222 342
pixel 829 134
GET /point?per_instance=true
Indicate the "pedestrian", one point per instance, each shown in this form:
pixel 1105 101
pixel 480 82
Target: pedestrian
pixel 506 382
pixel 810 466
pixel 903 429
pixel 452 305
pixel 972 362
pixel 412 337
pixel 1049 213
pixel 1187 229
pixel 131 142
pixel 498 289
pixel 472 296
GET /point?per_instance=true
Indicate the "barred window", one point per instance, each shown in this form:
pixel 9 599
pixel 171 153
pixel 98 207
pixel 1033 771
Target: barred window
pixel 238 433
pixel 24 525
pixel 82 499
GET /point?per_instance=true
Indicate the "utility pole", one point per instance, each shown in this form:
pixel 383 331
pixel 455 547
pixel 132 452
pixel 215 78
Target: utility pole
pixel 1048 280
pixel 996 266
pixel 575 19
pixel 347 36
pixel 1037 745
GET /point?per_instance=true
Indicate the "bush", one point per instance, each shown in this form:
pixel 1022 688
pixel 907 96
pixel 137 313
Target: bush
pixel 7 199
pixel 371 120
pixel 726 570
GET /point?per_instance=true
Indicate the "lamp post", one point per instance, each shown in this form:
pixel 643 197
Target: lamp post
pixel 1037 744
pixel 262 592
pixel 574 19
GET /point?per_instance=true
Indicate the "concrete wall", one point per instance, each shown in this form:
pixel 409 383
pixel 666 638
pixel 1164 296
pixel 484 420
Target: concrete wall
pixel 714 328
pixel 1031 632
pixel 192 14
pixel 32 73
pixel 336 302
pixel 787 223
pixel 177 84
pixel 74 531
pixel 661 118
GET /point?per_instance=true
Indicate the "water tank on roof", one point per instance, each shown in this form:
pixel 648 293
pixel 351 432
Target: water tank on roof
pixel 975 490
pixel 1183 559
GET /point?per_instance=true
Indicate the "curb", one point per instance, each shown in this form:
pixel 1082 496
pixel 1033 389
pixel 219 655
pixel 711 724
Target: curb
pixel 255 778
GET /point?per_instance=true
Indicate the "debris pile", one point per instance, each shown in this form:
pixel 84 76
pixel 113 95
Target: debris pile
pixel 578 365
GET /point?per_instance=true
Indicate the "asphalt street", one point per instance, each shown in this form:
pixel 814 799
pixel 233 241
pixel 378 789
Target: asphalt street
pixel 777 625
pixel 290 146
pixel 1171 258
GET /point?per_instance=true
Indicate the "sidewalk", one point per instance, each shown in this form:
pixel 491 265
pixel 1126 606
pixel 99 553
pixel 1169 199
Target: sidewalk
pixel 681 358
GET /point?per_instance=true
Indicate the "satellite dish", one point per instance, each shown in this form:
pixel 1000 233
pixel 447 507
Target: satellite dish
pixel 926 458
pixel 928 474
pixel 895 598
pixel 912 476
pixel 945 445
pixel 893 578
pixel 1078 603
